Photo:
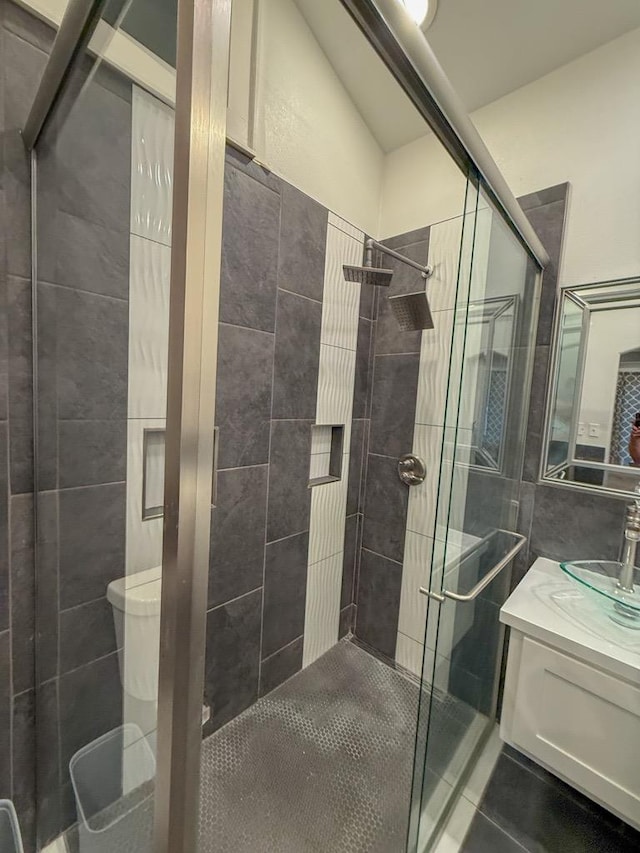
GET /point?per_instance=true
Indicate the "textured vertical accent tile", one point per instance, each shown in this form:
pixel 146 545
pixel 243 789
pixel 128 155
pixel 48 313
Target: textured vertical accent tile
pixel 409 654
pixel 341 298
pixel 336 377
pixel 433 378
pixel 152 167
pixel 322 612
pixel 148 328
pixel 346 227
pixel 444 256
pixel 328 514
pixel 143 537
pixel 416 573
pixel 421 513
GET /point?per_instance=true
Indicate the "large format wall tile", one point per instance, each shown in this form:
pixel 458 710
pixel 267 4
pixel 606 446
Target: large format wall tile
pixel 24 765
pixel 395 383
pixel 285 587
pixel 91 452
pixel 5 715
pixel 22 592
pixel 350 560
pixel 357 461
pixel 87 632
pixel 20 384
pixel 237 533
pixel 151 168
pixel 90 706
pixel 92 156
pixel 303 232
pixel 249 252
pixel 92 541
pixel 296 358
pixel 243 396
pixel 233 658
pixel 588 525
pixel 364 369
pixel 92 356
pixel 4 528
pixel 378 602
pixel 385 508
pixel 280 666
pixel 84 255
pixel 289 496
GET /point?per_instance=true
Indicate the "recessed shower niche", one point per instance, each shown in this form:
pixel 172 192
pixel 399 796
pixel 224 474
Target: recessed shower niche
pixel 327 442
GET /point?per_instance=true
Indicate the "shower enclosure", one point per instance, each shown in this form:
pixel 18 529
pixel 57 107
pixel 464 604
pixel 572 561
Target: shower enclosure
pixel 275 501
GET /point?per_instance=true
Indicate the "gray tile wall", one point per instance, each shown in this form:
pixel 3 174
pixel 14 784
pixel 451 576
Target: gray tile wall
pixel 84 174
pixel 558 522
pixel 24 44
pixel 384 416
pixel 274 242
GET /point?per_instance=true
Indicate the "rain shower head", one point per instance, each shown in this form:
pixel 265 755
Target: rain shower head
pixel 373 276
pixel 412 311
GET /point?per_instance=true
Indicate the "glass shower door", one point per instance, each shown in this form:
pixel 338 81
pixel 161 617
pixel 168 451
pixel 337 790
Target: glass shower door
pixel 476 504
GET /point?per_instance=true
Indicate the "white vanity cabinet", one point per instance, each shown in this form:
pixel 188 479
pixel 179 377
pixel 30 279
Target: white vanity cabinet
pixel 572 689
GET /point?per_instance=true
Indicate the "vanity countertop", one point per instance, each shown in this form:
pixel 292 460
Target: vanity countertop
pixel 552 608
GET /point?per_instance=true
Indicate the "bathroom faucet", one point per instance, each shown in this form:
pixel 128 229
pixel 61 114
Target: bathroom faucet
pixel 631 538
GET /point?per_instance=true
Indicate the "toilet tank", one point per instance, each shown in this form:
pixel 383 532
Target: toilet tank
pixel 135 600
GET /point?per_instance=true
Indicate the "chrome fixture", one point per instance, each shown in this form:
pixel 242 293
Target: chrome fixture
pixel 411 469
pixel 378 276
pixel 484 581
pixel 412 311
pixel 630 545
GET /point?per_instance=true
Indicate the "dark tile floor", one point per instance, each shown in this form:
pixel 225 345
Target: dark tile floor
pixel 524 808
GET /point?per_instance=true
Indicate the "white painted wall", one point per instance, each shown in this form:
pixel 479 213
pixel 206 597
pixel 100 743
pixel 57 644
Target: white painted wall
pixel 308 129
pixel 611 333
pixel 581 123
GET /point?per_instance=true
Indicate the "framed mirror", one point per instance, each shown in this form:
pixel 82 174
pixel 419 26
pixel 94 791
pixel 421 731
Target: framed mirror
pixel 487 381
pixel 592 432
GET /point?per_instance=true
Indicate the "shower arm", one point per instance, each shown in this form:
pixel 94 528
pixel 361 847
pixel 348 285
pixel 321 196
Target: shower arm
pixel 371 244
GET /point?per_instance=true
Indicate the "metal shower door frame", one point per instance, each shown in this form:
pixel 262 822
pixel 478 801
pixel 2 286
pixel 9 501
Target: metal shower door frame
pixel 204 36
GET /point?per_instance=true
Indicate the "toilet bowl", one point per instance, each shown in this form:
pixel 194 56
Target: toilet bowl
pixel 135 600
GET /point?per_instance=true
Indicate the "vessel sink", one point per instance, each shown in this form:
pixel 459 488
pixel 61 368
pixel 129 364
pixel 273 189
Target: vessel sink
pixel 601 577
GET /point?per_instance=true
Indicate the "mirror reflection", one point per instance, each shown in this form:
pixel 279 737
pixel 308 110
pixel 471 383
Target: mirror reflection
pixel 593 431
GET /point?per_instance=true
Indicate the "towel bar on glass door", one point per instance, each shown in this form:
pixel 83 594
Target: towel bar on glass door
pixel 486 580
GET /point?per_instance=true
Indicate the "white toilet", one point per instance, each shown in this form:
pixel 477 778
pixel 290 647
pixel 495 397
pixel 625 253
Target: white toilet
pixel 135 600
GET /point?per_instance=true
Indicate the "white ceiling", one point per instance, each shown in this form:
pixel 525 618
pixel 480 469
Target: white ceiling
pixel 486 47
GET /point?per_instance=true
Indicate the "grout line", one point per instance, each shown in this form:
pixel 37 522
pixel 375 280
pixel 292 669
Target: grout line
pixel 248 328
pixel 375 553
pixel 300 296
pixel 289 536
pixel 244 467
pixel 66 287
pixel 282 648
pixel 85 665
pixel 233 600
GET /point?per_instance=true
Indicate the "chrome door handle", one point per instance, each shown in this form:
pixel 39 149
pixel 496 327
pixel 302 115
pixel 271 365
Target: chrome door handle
pixel 486 580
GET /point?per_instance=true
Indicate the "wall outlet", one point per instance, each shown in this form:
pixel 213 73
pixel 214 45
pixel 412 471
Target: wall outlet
pixel 594 430
pixel 581 429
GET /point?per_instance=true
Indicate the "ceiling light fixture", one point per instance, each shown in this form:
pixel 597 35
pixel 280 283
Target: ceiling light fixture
pixel 422 11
